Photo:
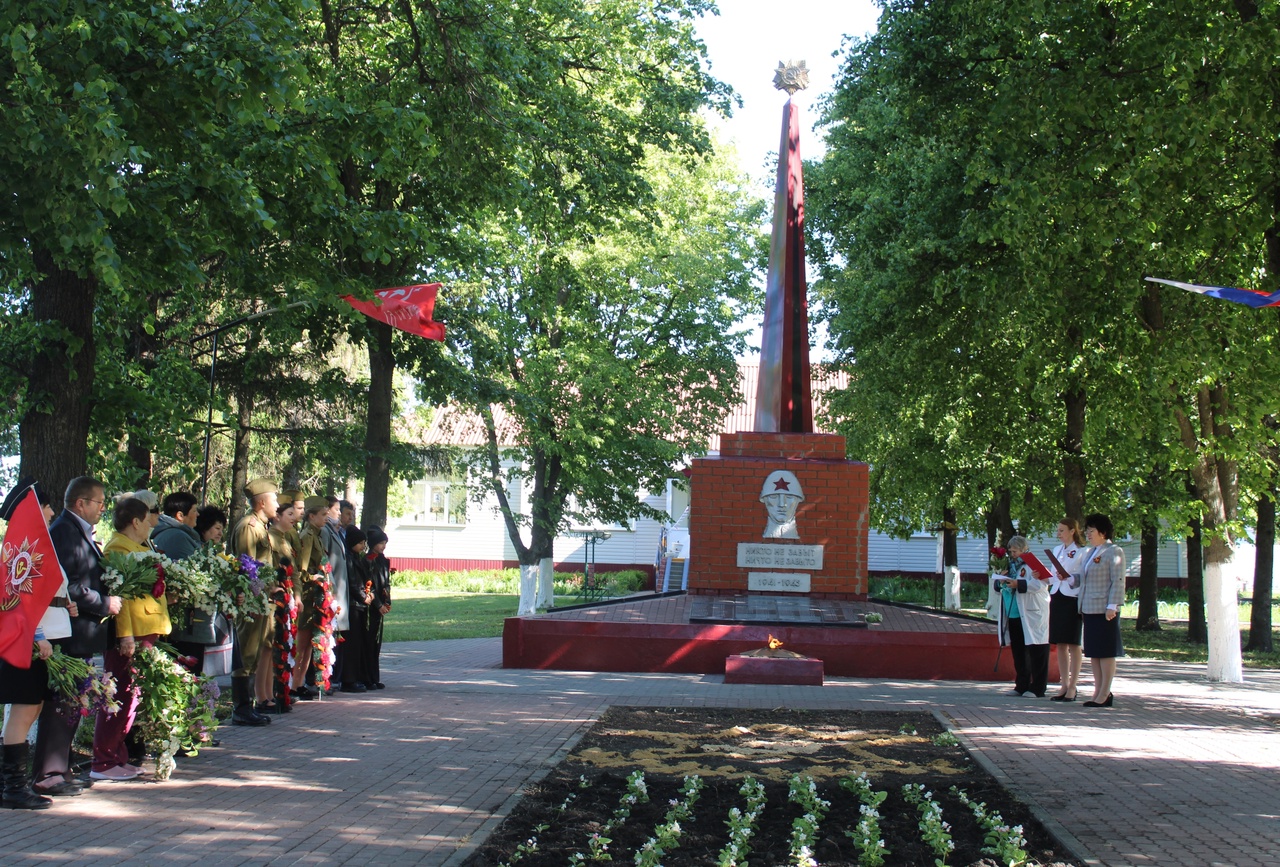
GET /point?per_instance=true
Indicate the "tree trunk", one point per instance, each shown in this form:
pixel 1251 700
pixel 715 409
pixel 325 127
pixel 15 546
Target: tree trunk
pixel 1263 575
pixel 1148 602
pixel 546 582
pixel 240 462
pixel 1197 632
pixel 1217 486
pixel 528 589
pixel 54 431
pixel 950 554
pixel 293 472
pixel 1000 515
pixel 1222 607
pixel 140 456
pixel 377 437
pixel 950 561
pixel 1074 401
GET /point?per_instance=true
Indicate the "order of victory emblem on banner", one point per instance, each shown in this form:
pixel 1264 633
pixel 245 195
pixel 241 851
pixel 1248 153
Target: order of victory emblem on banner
pixel 29 576
pixel 21 566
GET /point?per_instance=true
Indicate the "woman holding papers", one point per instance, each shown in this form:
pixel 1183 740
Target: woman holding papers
pixel 1064 607
pixel 1024 597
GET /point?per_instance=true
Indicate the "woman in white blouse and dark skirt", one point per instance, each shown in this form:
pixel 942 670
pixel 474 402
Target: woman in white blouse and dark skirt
pixel 1064 607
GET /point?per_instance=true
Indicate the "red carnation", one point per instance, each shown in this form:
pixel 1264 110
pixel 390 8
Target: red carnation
pixel 157 589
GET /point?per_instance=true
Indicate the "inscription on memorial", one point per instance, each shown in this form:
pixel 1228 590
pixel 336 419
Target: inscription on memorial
pixel 759 555
pixel 792 582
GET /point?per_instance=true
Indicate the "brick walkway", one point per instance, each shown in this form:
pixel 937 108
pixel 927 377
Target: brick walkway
pixel 1182 772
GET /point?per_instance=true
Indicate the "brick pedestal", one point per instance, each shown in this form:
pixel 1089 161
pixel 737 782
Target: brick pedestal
pixel 726 510
pixel 764 669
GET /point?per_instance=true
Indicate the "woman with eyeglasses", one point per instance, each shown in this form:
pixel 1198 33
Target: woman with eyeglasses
pixel 1101 595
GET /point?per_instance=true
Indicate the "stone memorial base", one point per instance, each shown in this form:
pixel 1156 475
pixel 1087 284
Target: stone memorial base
pixel 736 543
pixel 799 671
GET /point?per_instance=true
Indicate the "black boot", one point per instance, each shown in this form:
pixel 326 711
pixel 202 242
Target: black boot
pixel 243 713
pixel 17 793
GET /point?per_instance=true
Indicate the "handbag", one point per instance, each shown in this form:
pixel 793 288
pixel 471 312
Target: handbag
pixel 198 627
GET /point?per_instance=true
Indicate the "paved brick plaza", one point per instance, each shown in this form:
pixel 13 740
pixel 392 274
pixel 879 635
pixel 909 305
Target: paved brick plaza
pixel 1182 772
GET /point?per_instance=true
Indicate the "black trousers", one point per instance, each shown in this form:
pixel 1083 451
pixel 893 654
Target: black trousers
pixel 373 647
pixel 1030 661
pixel 352 651
pixel 55 735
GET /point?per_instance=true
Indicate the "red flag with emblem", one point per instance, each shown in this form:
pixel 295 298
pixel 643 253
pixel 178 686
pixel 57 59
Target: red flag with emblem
pixel 408 308
pixel 31 576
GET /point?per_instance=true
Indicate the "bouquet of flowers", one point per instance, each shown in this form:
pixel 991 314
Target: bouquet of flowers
pixel 175 707
pixel 999 562
pixel 82 688
pixel 135 575
pixel 192 585
pixel 252 579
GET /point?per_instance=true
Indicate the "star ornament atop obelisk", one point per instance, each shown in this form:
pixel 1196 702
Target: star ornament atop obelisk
pixel 783 400
pixel 791 77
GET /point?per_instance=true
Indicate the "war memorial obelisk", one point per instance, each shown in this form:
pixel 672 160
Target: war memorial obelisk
pixel 781 510
pixel 778 535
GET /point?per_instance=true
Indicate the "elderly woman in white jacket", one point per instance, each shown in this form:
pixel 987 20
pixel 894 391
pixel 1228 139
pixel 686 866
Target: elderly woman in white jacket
pixel 1024 620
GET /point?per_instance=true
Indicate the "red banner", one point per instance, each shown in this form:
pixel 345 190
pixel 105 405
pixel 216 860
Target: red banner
pixel 31 576
pixel 408 308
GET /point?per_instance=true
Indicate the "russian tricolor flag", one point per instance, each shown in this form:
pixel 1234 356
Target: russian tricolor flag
pixel 1248 297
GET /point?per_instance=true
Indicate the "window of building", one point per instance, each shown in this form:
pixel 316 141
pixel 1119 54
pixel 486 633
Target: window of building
pixel 438 502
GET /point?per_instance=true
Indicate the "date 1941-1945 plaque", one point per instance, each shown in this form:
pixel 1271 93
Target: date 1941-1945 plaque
pixel 758 555
pixel 790 582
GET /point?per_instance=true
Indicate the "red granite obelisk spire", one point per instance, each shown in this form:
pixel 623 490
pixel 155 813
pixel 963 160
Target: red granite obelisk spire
pixel 783 400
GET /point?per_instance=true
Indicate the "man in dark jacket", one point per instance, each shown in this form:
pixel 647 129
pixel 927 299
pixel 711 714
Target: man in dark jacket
pixel 80 557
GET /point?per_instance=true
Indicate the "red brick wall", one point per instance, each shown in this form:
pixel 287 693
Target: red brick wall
pixel 725 509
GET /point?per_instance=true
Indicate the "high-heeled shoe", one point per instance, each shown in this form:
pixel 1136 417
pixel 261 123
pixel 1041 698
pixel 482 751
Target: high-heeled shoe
pixel 1064 697
pixel 1110 700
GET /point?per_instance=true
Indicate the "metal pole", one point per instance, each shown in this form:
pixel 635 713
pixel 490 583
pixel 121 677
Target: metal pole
pixel 208 427
pixel 213 367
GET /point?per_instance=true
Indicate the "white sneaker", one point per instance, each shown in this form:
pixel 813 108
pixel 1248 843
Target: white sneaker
pixel 115 775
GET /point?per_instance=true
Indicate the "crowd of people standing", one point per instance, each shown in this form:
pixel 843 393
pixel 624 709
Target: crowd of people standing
pixel 1074 604
pixel 290 534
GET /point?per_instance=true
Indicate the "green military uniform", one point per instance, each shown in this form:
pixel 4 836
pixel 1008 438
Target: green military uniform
pixel 250 536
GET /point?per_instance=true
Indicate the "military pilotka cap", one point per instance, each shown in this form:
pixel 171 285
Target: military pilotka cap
pixel 16 493
pixel 292 496
pixel 258 487
pixel 312 504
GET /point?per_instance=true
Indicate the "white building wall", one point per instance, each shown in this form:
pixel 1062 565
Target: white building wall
pixel 484 537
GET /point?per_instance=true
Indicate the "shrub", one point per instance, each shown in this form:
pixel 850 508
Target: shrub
pixel 507 581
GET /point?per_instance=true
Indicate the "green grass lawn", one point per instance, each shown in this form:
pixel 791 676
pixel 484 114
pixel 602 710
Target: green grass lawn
pixel 423 615
pixel 1170 643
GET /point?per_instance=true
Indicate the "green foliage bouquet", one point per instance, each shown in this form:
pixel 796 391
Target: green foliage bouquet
pixel 175 706
pixel 134 575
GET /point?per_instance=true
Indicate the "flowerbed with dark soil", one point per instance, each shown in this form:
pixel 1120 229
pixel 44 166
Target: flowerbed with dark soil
pixel 724 747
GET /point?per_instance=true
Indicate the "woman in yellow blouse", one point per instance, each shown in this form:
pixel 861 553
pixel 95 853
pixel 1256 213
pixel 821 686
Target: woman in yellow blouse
pixel 140 623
